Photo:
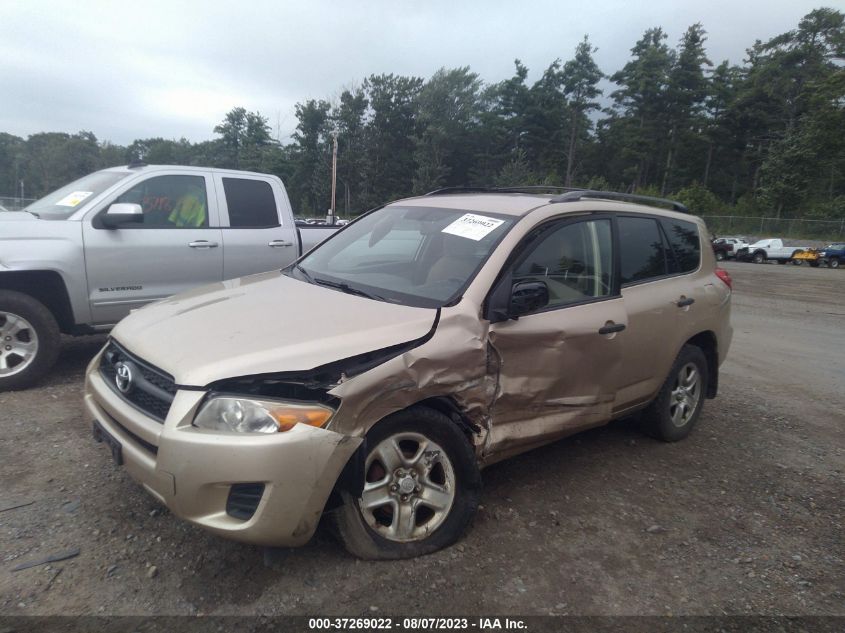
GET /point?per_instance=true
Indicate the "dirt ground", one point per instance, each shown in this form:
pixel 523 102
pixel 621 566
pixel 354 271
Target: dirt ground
pixel 743 517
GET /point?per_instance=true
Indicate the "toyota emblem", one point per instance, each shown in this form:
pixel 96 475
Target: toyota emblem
pixel 123 377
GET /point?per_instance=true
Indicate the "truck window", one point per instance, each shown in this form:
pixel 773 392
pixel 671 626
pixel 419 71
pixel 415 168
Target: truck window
pixel 643 251
pixel 169 202
pixel 251 203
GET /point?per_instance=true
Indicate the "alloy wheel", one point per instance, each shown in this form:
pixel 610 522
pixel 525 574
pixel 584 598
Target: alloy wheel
pixel 409 487
pixel 18 344
pixel 685 395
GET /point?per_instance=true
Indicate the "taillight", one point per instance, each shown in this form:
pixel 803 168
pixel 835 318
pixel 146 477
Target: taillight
pixel 725 276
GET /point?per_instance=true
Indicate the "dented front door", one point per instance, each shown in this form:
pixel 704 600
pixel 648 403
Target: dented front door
pixel 558 367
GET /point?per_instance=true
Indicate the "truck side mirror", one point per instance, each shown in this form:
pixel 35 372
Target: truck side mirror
pixel 528 296
pixel 122 213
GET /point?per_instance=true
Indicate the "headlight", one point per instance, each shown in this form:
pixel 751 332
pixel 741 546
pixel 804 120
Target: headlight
pixel 245 415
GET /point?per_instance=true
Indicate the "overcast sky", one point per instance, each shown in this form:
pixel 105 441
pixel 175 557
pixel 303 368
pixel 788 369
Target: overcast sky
pixel 127 70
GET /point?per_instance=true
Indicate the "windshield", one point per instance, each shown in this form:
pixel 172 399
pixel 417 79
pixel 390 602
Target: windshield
pixel 416 256
pixel 61 204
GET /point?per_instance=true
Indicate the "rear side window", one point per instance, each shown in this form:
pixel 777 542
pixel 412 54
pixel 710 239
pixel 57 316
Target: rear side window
pixel 642 249
pixel 685 243
pixel 251 203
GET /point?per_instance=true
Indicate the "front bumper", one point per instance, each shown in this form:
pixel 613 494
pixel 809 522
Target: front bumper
pixel 192 471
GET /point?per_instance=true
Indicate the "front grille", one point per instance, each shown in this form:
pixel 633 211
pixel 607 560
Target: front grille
pixel 243 500
pixel 150 389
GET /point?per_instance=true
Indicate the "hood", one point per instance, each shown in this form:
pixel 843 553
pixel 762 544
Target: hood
pixel 27 243
pixel 15 216
pixel 263 324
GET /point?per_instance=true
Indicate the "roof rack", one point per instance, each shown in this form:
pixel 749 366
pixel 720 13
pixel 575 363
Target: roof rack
pixel 534 188
pixel 136 163
pixel 514 189
pixel 448 190
pixel 574 196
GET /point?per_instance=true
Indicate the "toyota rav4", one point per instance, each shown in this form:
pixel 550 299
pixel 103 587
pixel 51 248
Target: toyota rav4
pixel 376 376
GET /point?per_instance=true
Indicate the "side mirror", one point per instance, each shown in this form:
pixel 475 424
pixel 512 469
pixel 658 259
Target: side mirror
pixel 122 213
pixel 528 296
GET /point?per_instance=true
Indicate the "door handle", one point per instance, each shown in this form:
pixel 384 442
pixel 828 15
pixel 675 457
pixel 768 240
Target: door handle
pixel 202 244
pixel 279 244
pixel 683 302
pixel 611 328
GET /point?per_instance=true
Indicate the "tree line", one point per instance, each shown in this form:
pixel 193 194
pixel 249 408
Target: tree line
pixel 765 137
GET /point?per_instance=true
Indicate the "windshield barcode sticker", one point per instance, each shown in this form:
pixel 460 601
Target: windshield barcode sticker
pixel 73 199
pixel 473 227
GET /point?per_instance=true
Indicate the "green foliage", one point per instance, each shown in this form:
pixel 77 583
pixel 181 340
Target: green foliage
pixel 766 137
pixel 699 199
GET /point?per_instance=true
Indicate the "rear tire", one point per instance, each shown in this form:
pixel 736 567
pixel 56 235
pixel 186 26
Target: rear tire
pixel 673 413
pixel 422 487
pixel 29 340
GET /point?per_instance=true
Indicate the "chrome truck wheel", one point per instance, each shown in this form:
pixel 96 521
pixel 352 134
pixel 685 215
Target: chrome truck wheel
pixel 18 344
pixel 29 340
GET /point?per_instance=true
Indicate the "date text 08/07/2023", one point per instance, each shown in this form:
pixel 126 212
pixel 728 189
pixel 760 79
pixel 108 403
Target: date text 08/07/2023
pixel 415 624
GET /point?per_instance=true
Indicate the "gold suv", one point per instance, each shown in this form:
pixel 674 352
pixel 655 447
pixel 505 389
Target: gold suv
pixel 379 374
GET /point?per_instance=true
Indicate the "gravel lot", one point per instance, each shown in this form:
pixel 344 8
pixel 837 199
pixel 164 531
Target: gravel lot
pixel 744 517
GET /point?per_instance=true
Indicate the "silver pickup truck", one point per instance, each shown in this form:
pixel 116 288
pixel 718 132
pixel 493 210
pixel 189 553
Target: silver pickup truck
pixel 81 258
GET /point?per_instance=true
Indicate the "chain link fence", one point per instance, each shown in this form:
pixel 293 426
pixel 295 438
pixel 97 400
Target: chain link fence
pixel 10 203
pixel 762 227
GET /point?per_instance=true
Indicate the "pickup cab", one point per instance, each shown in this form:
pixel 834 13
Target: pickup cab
pixel 727 247
pixel 769 249
pixel 833 254
pixel 83 257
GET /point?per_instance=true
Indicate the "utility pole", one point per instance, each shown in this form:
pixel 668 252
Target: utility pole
pixel 334 176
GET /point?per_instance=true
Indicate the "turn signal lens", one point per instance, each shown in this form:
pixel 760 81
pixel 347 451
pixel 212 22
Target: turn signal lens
pixel 287 417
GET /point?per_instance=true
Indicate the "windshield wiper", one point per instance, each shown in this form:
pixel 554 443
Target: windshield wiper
pixel 344 287
pixel 305 274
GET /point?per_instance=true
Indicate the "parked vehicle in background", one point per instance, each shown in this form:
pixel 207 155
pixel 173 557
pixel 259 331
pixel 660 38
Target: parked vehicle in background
pixel 833 254
pixel 772 249
pixel 727 247
pixel 475 327
pixel 81 258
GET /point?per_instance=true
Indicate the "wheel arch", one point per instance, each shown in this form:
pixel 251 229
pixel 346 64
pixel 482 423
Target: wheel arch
pixel 45 286
pixel 351 478
pixel 708 343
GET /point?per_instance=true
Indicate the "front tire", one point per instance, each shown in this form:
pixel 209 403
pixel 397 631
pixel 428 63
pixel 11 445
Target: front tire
pixel 677 407
pixel 422 487
pixel 759 257
pixel 29 340
pixel 720 256
pixel 833 262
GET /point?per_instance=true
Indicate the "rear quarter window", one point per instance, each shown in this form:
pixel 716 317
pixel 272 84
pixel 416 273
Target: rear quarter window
pixel 685 243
